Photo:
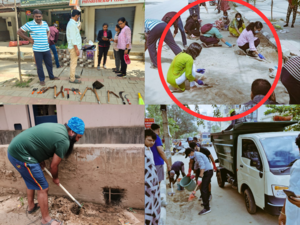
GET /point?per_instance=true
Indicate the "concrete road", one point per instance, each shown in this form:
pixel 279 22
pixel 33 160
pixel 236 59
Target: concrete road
pixel 231 75
pixel 227 206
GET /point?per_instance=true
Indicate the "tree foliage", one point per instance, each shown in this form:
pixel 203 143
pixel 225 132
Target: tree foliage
pixel 286 110
pixel 180 122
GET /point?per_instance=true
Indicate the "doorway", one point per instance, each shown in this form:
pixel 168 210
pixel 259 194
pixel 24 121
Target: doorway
pixel 44 114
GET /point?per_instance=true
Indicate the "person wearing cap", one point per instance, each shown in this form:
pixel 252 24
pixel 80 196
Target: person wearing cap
pixel 189 140
pixel 53 38
pixel 28 151
pixel 176 168
pixel 206 173
pixel 159 154
pixel 234 122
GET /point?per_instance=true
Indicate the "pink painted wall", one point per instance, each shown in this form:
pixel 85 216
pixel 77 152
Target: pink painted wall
pixel 103 115
pixel 93 115
pixel 13 114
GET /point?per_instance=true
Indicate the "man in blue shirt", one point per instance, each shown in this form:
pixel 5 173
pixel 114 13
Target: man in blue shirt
pixel 158 153
pixel 40 33
pixel 206 173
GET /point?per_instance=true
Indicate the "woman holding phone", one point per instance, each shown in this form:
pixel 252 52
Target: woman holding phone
pixel 103 37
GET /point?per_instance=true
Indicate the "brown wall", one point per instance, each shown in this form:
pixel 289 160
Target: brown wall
pixel 89 169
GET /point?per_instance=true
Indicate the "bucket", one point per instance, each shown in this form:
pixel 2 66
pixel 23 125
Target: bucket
pixel 188 184
pixel 179 187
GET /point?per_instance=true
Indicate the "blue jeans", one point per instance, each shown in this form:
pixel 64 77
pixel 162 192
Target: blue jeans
pixel 180 27
pixel 39 57
pixel 53 48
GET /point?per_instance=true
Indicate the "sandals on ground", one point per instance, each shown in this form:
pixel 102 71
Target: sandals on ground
pixel 35 208
pixel 52 220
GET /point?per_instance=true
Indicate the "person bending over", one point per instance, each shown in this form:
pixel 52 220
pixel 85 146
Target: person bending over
pixel 176 168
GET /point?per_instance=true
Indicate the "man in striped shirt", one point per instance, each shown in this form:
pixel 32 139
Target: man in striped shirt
pixel 153 31
pixel 40 33
pixel 290 78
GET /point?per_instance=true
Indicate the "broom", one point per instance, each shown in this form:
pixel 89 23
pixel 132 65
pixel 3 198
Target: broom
pixel 141 101
pixel 193 195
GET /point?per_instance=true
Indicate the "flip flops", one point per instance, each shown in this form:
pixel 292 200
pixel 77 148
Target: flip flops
pixel 52 220
pixel 35 208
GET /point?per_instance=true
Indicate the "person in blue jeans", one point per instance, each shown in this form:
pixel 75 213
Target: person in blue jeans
pixel 177 25
pixel 52 41
pixel 39 32
pixel 159 154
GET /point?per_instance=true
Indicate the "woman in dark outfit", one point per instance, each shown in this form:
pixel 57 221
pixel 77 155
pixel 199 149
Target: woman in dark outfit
pixel 103 37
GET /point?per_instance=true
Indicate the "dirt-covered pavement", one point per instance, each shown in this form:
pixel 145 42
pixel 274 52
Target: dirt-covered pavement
pixel 13 212
pixel 230 74
pixel 227 206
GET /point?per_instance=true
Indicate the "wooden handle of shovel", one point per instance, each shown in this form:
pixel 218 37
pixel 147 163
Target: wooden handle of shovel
pixel 62 187
pixel 83 94
pixel 54 91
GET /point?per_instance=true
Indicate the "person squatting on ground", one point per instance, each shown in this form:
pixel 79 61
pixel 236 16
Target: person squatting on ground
pixel 211 36
pixel 182 68
pixel 104 36
pixel 237 25
pixel 153 31
pixel 39 32
pixel 206 173
pixel 176 168
pixel 194 10
pixel 152 191
pixel 259 89
pixel 223 22
pixel 290 78
pixel 247 40
pixel 74 45
pixel 28 151
pixel 116 50
pixel 293 6
pixel 159 154
pixel 290 212
pixel 124 44
pixel 177 25
pixel 192 26
pixel 53 38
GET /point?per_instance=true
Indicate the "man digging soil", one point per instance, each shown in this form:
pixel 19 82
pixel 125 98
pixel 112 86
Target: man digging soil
pixel 28 151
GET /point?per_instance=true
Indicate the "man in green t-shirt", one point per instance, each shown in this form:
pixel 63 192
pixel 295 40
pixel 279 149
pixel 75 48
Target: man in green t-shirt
pixel 28 151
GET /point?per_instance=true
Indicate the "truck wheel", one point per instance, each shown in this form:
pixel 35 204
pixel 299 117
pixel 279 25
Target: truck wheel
pixel 249 201
pixel 221 183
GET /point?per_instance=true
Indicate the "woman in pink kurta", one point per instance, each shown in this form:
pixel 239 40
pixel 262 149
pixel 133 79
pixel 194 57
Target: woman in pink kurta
pixel 247 41
pixel 224 5
pixel 124 44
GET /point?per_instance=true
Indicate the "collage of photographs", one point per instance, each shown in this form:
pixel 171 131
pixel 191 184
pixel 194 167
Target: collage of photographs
pixel 149 112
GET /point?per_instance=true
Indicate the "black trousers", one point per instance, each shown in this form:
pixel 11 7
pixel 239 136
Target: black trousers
pixel 246 46
pixel 205 188
pixel 123 64
pixel 292 85
pixel 102 52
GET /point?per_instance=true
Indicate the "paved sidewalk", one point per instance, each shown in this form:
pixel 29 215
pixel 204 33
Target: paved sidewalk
pixel 131 85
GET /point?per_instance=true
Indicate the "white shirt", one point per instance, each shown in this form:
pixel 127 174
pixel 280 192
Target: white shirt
pixel 293 212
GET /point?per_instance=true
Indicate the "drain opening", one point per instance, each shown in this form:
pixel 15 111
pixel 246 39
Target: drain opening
pixel 113 195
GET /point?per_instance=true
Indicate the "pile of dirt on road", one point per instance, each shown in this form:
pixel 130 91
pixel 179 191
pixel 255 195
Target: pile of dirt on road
pixel 13 210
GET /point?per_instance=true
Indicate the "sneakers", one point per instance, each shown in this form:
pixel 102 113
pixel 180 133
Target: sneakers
pixel 121 75
pixel 286 25
pixel 204 211
pixel 200 199
pixel 42 83
pixel 153 67
pixel 77 77
pixel 98 67
pixel 104 67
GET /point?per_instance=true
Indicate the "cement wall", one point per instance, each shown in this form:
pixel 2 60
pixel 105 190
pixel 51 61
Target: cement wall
pixel 89 169
pixel 98 135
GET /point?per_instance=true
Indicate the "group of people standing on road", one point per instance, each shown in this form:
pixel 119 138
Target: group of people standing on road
pixel 44 38
pixel 121 45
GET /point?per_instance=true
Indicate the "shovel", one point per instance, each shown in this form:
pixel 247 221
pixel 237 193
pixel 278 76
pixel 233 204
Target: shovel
pixel 64 189
pixel 193 195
